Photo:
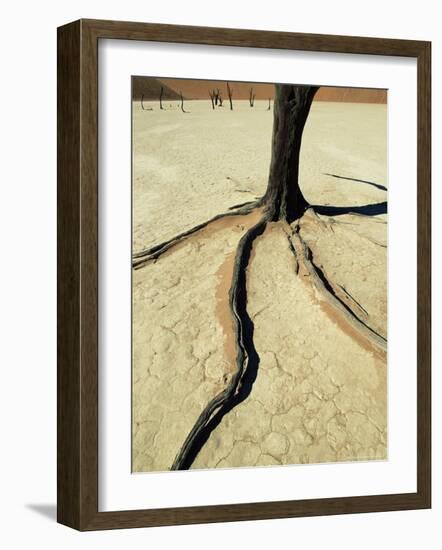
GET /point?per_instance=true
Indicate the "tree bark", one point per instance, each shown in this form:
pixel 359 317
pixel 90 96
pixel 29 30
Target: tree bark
pixel 283 198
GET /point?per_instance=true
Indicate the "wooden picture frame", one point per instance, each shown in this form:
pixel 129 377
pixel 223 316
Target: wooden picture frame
pixel 77 461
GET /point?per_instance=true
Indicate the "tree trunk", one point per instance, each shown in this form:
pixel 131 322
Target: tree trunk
pixel 229 93
pixel 283 198
pixel 251 97
pixel 182 102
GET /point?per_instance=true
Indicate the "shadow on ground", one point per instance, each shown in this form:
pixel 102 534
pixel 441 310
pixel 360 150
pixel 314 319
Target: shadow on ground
pixel 48 511
pixel 366 210
pixel 377 185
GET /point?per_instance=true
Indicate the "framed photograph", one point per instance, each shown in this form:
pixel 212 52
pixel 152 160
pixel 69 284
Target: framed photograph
pixel 243 275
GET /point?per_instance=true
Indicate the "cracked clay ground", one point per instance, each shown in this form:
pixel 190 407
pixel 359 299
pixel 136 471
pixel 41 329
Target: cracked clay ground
pixel 316 290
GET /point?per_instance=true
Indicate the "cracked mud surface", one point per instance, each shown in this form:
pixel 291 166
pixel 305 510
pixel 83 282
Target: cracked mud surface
pixel 183 353
pixel 180 162
pixel 319 396
pixel 320 393
pixel 353 254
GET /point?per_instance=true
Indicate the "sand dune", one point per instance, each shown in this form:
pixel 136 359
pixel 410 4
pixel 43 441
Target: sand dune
pixel 151 88
pixel 199 89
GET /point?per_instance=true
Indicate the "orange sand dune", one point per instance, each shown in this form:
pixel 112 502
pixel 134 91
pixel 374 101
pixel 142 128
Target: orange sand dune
pixel 199 89
pixel 150 88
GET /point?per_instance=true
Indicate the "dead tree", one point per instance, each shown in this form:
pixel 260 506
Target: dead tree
pixel 283 201
pixel 229 93
pixel 283 198
pixel 268 108
pixel 251 98
pixel 161 97
pixel 212 98
pixel 182 102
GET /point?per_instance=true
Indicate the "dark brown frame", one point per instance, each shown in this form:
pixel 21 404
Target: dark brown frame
pixel 77 459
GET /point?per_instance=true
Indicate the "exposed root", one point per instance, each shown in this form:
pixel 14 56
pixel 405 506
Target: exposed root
pixel 351 316
pixel 147 255
pixel 247 359
pixel 242 204
pixel 292 249
pixel 353 301
pixel 352 312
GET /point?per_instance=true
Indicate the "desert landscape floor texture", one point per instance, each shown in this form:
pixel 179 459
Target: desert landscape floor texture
pixel 316 289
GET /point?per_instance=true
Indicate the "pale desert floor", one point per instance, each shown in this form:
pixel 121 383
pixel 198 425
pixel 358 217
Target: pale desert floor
pixel 320 393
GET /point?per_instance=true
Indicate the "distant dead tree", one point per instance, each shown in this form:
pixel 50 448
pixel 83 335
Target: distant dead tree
pixel 251 98
pixel 161 97
pixel 215 98
pixel 182 102
pixel 229 93
pixel 268 108
pixel 212 98
pixel 142 104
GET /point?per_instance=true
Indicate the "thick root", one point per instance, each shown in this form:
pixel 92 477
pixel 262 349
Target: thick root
pixel 352 312
pixel 247 359
pixel 147 255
